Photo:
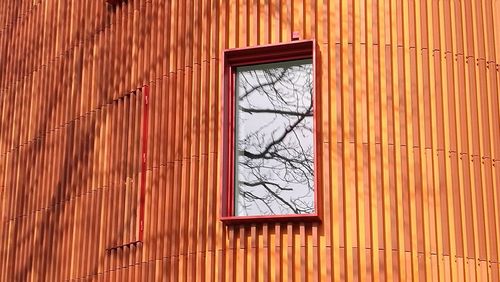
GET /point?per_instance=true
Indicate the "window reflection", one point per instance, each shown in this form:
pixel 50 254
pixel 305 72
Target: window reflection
pixel 274 135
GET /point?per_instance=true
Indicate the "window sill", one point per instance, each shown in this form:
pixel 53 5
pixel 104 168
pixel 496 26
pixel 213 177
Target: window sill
pixel 232 220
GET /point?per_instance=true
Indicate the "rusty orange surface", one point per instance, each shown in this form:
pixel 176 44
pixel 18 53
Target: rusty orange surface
pixel 410 136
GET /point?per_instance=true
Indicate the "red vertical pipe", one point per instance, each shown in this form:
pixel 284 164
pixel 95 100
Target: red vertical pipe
pixel 144 154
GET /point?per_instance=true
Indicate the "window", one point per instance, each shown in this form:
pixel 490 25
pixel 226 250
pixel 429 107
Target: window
pixel 269 164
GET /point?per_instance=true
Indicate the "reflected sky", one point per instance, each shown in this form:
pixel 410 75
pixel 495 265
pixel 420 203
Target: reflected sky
pixel 274 152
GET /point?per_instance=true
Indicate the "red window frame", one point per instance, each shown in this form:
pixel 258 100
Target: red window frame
pixel 143 163
pixel 233 58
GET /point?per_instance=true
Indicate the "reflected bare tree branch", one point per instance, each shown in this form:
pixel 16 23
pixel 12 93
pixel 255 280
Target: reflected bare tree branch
pixel 275 159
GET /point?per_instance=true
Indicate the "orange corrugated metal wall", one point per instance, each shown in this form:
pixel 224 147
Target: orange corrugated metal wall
pixel 410 133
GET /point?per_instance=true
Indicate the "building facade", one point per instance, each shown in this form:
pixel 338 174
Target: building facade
pixel 112 133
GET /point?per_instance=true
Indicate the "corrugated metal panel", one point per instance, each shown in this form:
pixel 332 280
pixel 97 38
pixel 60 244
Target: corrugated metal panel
pixel 409 121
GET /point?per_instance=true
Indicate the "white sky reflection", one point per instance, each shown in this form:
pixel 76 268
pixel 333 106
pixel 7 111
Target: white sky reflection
pixel 274 154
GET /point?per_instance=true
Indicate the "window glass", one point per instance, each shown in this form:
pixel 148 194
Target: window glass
pixel 274 173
